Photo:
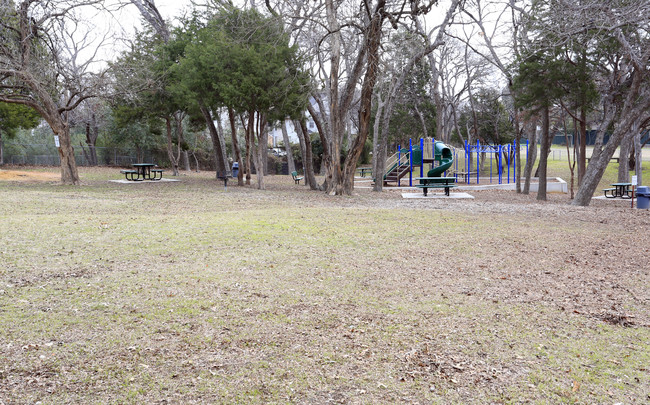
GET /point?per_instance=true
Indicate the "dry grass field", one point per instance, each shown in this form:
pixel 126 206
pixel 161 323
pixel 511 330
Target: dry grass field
pixel 182 292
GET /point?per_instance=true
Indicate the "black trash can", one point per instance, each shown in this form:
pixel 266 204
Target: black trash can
pixel 235 169
pixel 643 197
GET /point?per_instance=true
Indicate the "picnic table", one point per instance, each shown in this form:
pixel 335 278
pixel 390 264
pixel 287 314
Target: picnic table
pixel 613 158
pixel 143 171
pixel 619 190
pixel 436 182
pixel 465 175
pixel 363 171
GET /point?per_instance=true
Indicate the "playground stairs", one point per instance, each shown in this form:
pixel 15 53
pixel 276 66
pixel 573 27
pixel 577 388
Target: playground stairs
pixel 396 173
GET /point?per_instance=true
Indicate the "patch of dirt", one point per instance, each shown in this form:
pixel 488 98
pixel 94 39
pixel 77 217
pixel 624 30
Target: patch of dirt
pixel 28 176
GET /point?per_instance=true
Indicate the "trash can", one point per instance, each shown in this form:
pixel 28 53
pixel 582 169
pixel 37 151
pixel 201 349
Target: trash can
pixel 235 169
pixel 643 197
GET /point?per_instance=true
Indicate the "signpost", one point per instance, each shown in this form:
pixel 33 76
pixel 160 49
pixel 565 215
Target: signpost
pixel 634 182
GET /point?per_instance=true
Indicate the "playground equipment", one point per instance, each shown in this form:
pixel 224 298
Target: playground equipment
pixel 439 156
pixel 502 154
pixel 463 164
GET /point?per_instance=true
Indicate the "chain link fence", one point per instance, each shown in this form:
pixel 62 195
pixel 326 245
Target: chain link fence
pixel 47 155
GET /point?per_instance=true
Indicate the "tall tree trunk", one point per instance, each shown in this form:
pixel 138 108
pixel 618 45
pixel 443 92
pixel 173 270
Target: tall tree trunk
pixel 196 162
pixel 264 143
pixel 336 110
pixel 322 122
pixel 218 152
pixel 308 159
pixel 572 165
pixel 222 140
pixel 249 145
pixel 235 146
pixel 425 133
pixel 92 132
pixel 170 148
pixel 326 159
pixel 303 147
pixel 69 173
pixel 287 147
pixel 262 146
pixel 532 154
pixel 382 147
pixel 186 161
pixel 86 156
pixel 542 152
pixel 636 103
pixel 627 145
pixel 365 110
pixel 582 156
pixel 638 150
pixel 518 130
pixel 396 84
pixel 376 133
pixel 2 150
pixel 543 158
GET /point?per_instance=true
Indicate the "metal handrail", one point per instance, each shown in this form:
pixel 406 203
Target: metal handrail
pixel 392 161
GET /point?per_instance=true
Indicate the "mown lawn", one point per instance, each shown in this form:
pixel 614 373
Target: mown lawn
pixel 185 293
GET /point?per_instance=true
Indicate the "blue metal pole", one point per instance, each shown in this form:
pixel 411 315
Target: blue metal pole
pixel 514 161
pixel 508 152
pixel 490 167
pixel 466 162
pixel 500 163
pixel 410 163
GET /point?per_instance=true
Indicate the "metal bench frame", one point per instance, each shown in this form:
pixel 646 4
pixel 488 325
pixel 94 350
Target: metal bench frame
pixel 296 178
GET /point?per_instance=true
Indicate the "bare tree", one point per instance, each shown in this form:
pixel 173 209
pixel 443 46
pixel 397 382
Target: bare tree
pixel 398 82
pixel 345 38
pixel 90 115
pixel 150 13
pixel 492 18
pixel 287 146
pixel 622 78
pixel 41 65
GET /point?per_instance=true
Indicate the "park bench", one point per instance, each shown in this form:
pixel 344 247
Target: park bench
pixel 157 174
pixel 296 178
pixel 611 191
pixel 131 175
pixel 615 159
pixel 436 182
pixel 365 170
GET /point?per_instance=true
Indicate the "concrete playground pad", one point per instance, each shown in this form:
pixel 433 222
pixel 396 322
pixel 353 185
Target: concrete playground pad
pixel 617 199
pixel 124 181
pixel 431 195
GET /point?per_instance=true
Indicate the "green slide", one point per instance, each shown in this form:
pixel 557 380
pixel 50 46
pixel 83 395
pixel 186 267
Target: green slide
pixel 444 157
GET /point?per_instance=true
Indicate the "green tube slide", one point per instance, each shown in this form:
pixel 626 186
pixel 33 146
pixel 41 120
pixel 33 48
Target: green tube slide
pixel 444 157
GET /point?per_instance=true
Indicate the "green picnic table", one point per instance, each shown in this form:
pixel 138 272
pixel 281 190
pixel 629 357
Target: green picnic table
pixel 619 190
pixel 363 171
pixel 436 182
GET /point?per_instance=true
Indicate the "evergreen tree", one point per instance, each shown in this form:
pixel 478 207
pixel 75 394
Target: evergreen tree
pixel 12 117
